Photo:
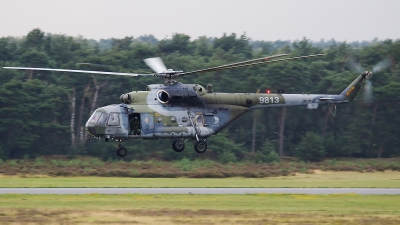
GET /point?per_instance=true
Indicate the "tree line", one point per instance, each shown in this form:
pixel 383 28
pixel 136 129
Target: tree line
pixel 43 112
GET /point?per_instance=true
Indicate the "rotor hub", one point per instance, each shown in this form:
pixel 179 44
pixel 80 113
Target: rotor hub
pixel 367 74
pixel 170 76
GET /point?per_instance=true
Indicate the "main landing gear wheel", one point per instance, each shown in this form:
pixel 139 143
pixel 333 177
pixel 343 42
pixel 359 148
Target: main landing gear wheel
pixel 121 151
pixel 200 146
pixel 178 145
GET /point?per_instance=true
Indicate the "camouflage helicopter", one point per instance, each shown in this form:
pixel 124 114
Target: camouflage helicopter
pixel 191 112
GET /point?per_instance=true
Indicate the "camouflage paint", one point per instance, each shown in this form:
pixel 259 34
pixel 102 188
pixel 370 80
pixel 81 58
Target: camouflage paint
pixel 184 110
pixel 351 91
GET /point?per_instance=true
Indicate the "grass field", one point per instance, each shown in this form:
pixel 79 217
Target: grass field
pixel 388 179
pixel 199 209
pixel 204 209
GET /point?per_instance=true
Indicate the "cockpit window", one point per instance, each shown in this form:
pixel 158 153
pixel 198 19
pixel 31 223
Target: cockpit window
pixel 95 117
pixel 113 119
pixel 103 119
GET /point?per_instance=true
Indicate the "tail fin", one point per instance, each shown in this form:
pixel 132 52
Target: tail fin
pixel 351 91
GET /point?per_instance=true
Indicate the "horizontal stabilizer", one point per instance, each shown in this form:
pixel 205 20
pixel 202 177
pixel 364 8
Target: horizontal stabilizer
pixel 323 98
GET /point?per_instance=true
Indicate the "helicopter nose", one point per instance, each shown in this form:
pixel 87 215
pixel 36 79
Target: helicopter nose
pixel 91 130
pixel 95 123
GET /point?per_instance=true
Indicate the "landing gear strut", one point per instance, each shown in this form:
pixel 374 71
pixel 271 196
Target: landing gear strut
pixel 200 146
pixel 121 151
pixel 178 145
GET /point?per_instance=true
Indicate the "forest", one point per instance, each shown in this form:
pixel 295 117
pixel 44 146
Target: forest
pixel 43 113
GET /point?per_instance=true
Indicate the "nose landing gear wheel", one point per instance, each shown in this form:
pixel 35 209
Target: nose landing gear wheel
pixel 178 145
pixel 200 146
pixel 121 151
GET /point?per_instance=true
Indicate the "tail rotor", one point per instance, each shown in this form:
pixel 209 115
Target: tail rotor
pixel 368 96
pixel 350 63
pixel 386 63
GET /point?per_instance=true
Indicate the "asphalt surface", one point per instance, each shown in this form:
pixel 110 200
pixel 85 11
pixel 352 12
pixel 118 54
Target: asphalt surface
pixel 209 191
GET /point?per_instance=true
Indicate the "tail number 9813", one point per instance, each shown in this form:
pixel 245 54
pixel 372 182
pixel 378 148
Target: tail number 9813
pixel 269 100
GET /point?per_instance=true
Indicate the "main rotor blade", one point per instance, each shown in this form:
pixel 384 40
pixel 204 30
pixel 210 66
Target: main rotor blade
pixel 228 66
pixel 156 64
pixel 109 67
pixel 252 62
pixel 384 64
pixel 79 71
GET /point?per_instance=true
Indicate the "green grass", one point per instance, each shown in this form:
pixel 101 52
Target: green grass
pixel 285 203
pixel 205 209
pixel 200 209
pixel 319 179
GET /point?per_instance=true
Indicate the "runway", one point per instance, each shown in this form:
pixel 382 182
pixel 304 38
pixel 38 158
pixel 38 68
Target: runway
pixel 206 191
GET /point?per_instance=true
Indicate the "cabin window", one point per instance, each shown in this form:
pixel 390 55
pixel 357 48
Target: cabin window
pixel 113 120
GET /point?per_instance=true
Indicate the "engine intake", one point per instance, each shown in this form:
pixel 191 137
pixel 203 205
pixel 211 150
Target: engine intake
pixel 163 96
pixel 125 98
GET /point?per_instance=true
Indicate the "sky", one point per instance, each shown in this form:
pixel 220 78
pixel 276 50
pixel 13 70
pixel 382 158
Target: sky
pixel 269 20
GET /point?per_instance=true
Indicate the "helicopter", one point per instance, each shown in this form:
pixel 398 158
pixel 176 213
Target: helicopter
pixel 191 112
